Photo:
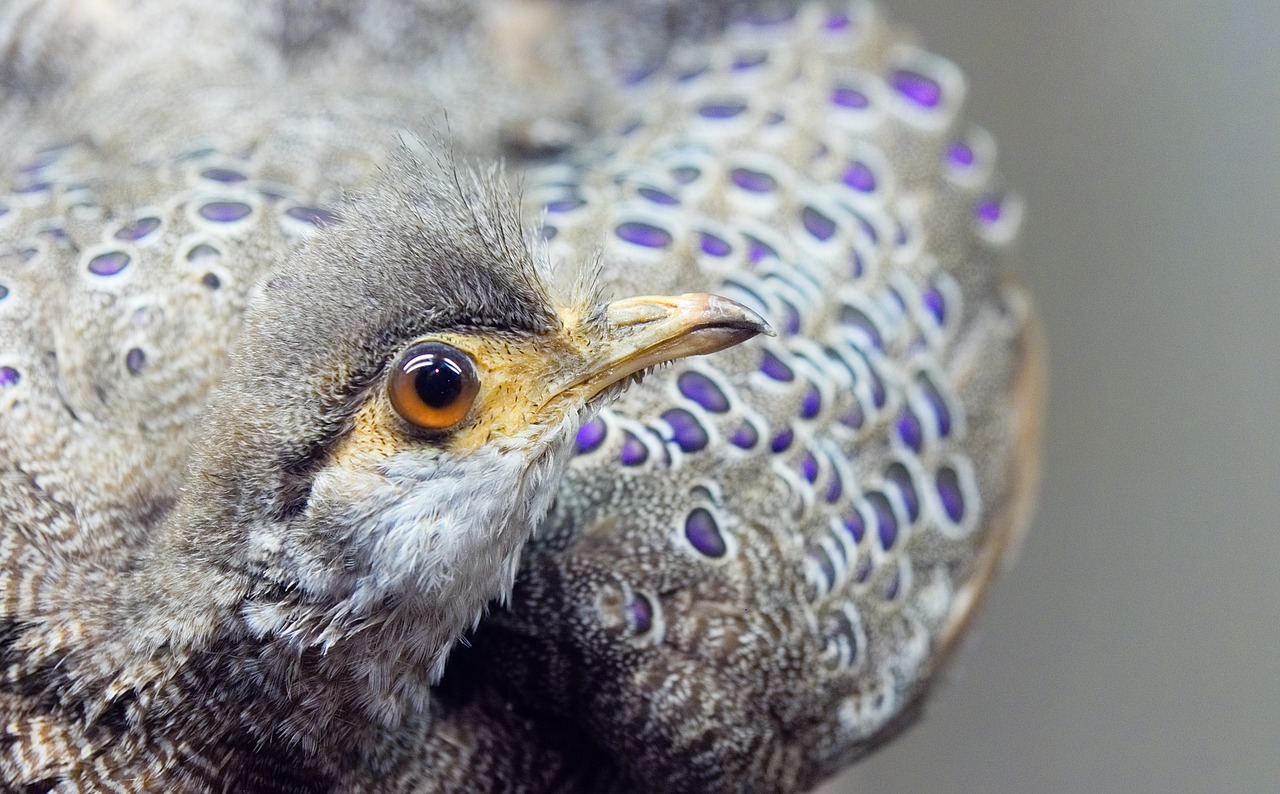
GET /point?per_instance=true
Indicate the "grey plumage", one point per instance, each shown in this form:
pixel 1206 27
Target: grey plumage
pixel 756 564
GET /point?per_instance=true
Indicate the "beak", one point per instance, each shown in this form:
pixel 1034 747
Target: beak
pixel 640 333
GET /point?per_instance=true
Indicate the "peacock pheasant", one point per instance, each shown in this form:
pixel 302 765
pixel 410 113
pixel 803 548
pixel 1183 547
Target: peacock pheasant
pixel 324 464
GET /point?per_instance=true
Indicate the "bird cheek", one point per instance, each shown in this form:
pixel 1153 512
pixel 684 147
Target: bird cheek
pixel 523 402
pixel 375 435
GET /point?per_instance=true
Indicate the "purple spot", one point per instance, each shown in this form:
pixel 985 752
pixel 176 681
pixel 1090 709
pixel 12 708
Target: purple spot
pixel 949 491
pixel 782 441
pixel 703 532
pixel 548 232
pixel 988 210
pixel 225 211
pixel 315 216
pixel 692 73
pixel 853 418
pixel 4 210
pixel 630 127
pixel 878 394
pixel 910 432
pixel 686 174
pixel 835 488
pixel 565 205
pixel 846 97
pixel 812 402
pixel 868 227
pixel 823 561
pixel 224 175
pixel 753 181
pixel 836 21
pixel 135 360
pixel 202 251
pixel 853 524
pixel 817 224
pixel 758 251
pixel 859 177
pixel 774 118
pixel 856 318
pixel 749 60
pixel 744 437
pixel 32 187
pixel 640 613
pixel 790 316
pixel 809 467
pixel 591 436
pixel 937 403
pixel 893 297
pixel 4 292
pixel 658 196
pixel 960 155
pixel 44 158
pixel 722 110
pixel 895 584
pixel 713 245
pixel 138 229
pixel 774 368
pixel 901 236
pixel 634 452
pixel 688 432
pixel 9 377
pixel 886 522
pixel 639 75
pixel 643 234
pixel 935 303
pixel 109 263
pixel 900 477
pixel 863 571
pixel 703 391
pixel 856 266
pixel 211 280
pixel 920 89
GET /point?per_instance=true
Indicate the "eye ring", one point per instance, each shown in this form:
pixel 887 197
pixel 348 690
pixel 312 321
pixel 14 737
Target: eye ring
pixel 433 385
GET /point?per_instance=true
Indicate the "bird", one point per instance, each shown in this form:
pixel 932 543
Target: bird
pixel 351 429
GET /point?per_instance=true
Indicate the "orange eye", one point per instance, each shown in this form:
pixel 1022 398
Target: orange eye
pixel 433 385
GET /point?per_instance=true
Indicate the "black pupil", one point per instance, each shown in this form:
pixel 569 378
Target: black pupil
pixel 438 381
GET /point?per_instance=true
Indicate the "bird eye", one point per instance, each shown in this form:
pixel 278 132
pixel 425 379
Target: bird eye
pixel 433 385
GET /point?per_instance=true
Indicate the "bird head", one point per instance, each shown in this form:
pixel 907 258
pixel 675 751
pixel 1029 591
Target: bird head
pixel 399 406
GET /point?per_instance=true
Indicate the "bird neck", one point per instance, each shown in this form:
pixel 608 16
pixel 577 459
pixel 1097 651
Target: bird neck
pixel 337 625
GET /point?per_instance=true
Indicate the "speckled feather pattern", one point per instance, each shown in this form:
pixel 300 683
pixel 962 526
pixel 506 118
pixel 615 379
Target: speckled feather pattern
pixel 756 563
pixel 762 548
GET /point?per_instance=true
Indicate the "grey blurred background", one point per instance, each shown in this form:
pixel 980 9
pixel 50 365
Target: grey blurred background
pixel 1134 647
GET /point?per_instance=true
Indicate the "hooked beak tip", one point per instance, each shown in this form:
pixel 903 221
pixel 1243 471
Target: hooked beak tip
pixel 646 331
